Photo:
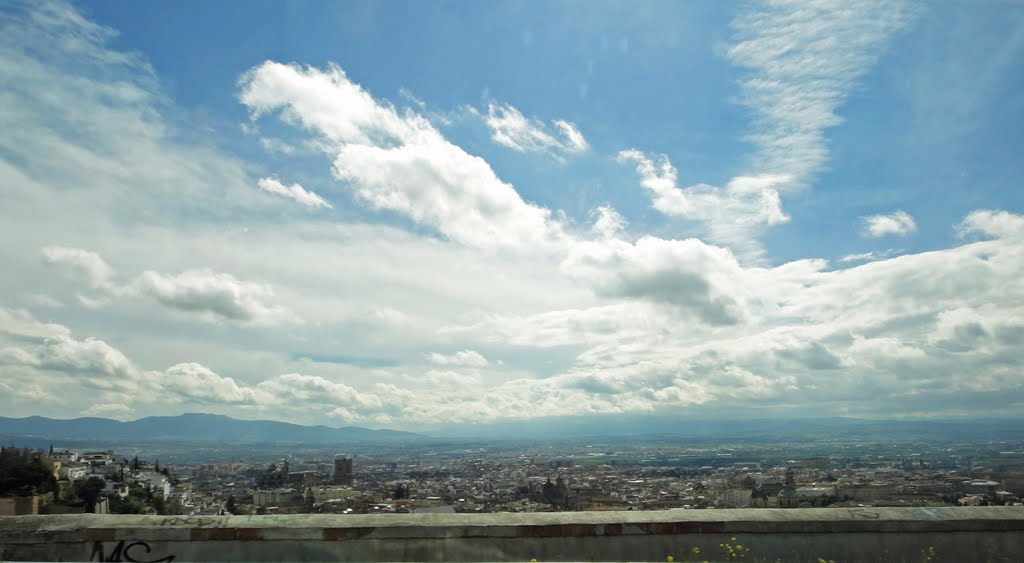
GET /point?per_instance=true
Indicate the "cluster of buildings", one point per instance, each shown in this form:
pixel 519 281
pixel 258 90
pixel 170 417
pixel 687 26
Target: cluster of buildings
pixel 527 481
pixel 120 479
pixel 523 483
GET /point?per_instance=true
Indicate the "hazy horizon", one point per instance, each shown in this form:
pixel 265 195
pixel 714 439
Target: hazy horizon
pixel 419 215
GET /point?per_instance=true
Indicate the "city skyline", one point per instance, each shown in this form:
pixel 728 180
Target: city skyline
pixel 418 214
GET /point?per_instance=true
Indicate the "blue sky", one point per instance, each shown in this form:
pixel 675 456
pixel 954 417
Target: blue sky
pixel 510 210
pixel 938 112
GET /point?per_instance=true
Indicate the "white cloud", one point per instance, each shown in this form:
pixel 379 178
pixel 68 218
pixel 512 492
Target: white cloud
pixel 21 323
pixel 689 274
pixel 310 390
pixel 795 334
pixel 206 291
pixel 91 362
pixel 870 256
pixel 83 263
pixel 271 144
pixel 294 192
pixel 993 223
pixel 733 215
pixel 803 58
pixel 470 358
pixel 574 140
pixel 197 382
pixel 398 161
pixel 897 223
pixel 89 355
pixel 117 411
pixel 586 321
pixel 203 291
pixel 608 223
pixel 621 322
pixel 96 365
pixel 509 127
pixel 465 384
pixel 86 124
pixel 805 334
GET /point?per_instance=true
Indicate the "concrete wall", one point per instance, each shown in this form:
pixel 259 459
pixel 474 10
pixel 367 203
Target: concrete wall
pixel 17 506
pixel 839 534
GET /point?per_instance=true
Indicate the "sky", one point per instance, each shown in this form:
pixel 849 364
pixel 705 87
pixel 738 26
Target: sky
pixel 416 214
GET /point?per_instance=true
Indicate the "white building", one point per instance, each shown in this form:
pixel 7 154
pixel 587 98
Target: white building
pixel 154 482
pixel 65 456
pixel 97 458
pixel 72 471
pixel 277 497
pixel 733 498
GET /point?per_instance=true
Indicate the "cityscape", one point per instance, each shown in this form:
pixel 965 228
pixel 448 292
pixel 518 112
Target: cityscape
pixel 607 280
pixel 474 476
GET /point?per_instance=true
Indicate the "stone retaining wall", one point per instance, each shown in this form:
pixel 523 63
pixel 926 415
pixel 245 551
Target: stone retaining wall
pixel 839 534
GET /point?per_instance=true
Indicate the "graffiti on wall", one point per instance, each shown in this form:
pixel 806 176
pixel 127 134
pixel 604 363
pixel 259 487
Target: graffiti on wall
pixel 135 551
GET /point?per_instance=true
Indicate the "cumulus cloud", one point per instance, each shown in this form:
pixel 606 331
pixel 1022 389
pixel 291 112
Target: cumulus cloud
pixel 397 160
pixel 470 358
pixel 868 256
pixel 21 323
pixel 620 322
pixel 993 223
pixel 466 384
pixel 509 127
pixel 96 365
pixel 684 325
pixel 689 274
pixel 203 291
pixel 117 411
pixel 294 192
pixel 787 335
pixel 90 362
pixel 199 383
pixel 206 291
pixel 314 390
pixel 82 263
pixel 608 223
pixel 733 215
pixel 897 223
pixel 89 355
pixel 587 321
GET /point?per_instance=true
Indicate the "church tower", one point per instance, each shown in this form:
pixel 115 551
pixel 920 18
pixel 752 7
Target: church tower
pixel 342 470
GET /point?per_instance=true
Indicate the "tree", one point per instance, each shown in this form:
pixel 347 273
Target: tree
pixel 158 503
pixel 89 491
pixel 132 504
pixel 23 472
pixel 230 505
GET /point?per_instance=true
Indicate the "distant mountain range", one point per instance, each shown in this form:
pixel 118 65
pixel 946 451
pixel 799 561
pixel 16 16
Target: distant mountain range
pixel 194 427
pixel 217 429
pixel 660 427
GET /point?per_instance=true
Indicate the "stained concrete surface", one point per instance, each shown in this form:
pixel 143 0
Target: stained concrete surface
pixel 839 534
